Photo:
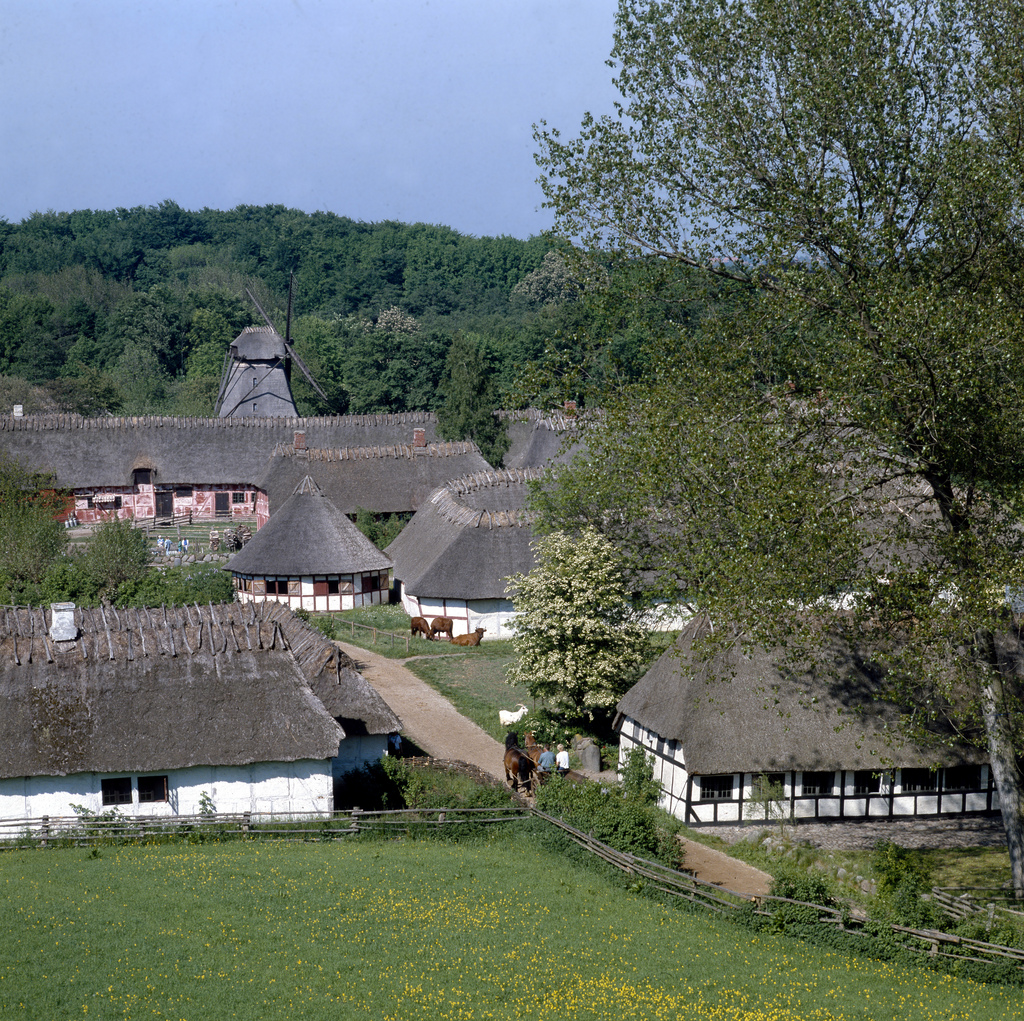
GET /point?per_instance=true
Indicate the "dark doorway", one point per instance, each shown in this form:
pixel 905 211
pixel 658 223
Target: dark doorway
pixel 221 507
pixel 165 504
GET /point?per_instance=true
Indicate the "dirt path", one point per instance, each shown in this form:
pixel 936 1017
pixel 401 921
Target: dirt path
pixel 429 719
pixel 433 723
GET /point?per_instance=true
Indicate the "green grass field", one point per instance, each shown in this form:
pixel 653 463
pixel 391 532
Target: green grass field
pixel 410 930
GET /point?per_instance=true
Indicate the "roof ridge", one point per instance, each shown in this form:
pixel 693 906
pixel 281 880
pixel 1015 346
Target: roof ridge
pixel 447 500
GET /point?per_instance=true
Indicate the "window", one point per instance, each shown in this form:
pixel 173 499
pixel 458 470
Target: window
pixel 332 586
pixel 117 503
pixel 152 788
pixel 768 785
pixel 819 782
pixel 345 586
pixel 294 587
pixel 961 778
pixel 716 788
pixel 143 476
pixel 917 780
pixel 866 782
pixel 277 587
pixel 258 587
pixel 238 498
pixel 117 791
pixel 183 492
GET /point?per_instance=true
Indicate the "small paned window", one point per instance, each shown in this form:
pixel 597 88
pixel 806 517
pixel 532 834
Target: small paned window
pixel 238 498
pixel 912 780
pixel 961 778
pixel 152 788
pixel 117 790
pixel 866 782
pixel 716 788
pixel 818 782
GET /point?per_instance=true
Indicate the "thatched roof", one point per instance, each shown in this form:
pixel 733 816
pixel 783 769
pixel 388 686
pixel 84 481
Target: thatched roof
pixel 157 689
pixel 744 711
pixel 383 478
pixel 539 438
pixel 308 536
pixel 468 537
pixel 88 452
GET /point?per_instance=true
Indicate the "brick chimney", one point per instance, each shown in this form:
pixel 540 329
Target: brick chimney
pixel 300 440
pixel 419 437
pixel 570 407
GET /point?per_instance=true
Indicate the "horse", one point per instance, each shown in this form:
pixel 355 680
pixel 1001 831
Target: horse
pixel 519 769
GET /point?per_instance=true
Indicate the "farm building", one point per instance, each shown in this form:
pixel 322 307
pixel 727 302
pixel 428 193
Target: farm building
pixel 310 555
pixel 453 557
pixel 392 478
pixel 147 711
pixel 715 728
pixel 163 469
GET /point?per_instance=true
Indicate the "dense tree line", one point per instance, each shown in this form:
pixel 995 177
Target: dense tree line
pixel 132 310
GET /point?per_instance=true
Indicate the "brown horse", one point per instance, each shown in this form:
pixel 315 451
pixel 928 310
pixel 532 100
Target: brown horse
pixel 519 769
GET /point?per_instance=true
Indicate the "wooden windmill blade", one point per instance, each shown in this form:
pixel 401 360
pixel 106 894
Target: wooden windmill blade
pixel 259 308
pixel 309 376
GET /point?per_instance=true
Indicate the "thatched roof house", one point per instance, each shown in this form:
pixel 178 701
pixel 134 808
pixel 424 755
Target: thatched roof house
pixel 310 555
pixel 453 558
pixel 162 466
pixel 392 478
pixel 716 726
pixel 148 709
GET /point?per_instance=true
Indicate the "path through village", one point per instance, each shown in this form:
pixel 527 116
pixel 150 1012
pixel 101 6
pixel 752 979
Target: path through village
pixel 435 726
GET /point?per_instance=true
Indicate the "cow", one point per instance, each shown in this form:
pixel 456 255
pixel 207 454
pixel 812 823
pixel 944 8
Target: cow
pixel 419 626
pixel 473 638
pixel 441 626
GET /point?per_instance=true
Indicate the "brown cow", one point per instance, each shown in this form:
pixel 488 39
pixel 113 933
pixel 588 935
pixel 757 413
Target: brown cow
pixel 473 638
pixel 441 626
pixel 419 626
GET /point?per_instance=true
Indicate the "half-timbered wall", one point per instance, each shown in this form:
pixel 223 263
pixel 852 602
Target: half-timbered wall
pixel 201 502
pixel 317 593
pixel 494 615
pixel 819 795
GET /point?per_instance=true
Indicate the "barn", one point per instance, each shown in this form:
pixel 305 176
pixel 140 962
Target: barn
pixel 310 556
pixel 454 556
pixel 149 711
pixel 717 729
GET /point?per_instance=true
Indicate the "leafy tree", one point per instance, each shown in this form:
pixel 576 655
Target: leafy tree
pixel 470 400
pixel 31 537
pixel 117 552
pixel 852 437
pixel 575 634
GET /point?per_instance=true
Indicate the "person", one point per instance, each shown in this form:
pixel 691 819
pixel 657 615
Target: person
pixel 546 760
pixel 562 760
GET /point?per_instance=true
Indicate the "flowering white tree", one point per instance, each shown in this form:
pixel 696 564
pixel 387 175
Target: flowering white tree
pixel 576 634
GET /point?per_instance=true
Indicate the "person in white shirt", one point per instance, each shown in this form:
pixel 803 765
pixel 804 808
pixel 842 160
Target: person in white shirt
pixel 562 760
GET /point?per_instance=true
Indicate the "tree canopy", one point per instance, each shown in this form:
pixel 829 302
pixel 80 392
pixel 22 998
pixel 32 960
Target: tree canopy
pixel 843 449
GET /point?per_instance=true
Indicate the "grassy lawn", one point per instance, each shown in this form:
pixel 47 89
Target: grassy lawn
pixel 410 930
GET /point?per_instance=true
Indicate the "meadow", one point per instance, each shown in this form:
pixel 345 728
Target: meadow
pixel 406 930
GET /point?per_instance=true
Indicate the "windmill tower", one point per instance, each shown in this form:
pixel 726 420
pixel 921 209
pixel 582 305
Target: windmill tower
pixel 256 382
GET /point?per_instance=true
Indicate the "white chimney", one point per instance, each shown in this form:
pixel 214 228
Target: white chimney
pixel 19 410
pixel 62 622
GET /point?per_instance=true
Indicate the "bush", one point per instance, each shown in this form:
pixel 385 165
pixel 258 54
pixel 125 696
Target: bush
pixel 178 586
pixel 902 876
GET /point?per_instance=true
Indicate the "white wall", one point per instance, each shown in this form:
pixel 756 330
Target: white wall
pixel 467 614
pixel 303 786
pixel 670 772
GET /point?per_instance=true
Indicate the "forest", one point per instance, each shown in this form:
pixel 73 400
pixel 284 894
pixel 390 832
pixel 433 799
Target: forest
pixel 131 311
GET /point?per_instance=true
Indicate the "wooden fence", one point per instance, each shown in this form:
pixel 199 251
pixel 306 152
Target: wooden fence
pixel 51 831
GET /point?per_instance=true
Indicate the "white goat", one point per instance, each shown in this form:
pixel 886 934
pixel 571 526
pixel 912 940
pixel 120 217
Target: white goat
pixel 509 719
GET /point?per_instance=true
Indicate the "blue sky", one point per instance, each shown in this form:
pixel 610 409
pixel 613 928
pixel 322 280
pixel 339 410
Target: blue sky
pixel 375 109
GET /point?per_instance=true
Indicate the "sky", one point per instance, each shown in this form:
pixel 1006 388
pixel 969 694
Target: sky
pixel 420 111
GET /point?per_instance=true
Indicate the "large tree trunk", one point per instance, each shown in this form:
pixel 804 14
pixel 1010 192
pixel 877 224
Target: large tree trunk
pixel 1003 763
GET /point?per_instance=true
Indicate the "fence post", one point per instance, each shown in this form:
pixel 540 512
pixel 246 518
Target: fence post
pixel 45 831
pixel 354 818
pixel 246 816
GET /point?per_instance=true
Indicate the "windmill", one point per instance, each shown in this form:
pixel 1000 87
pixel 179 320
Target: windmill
pixel 256 381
